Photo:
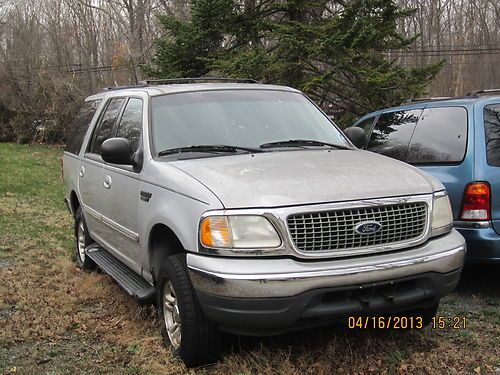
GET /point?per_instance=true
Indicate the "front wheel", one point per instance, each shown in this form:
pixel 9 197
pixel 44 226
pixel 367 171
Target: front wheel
pixel 191 336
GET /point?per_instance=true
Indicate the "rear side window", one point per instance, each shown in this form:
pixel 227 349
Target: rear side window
pixel 80 125
pixel 104 129
pixel 440 136
pixel 492 130
pixel 131 122
pixel 391 135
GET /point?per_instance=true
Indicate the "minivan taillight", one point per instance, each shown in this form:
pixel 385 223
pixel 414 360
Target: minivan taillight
pixel 477 202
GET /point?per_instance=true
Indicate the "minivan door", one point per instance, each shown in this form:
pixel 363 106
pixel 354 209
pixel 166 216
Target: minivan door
pixel 392 132
pixel 488 157
pixel 439 146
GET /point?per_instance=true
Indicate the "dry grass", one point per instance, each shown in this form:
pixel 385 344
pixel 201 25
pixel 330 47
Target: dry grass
pixel 55 319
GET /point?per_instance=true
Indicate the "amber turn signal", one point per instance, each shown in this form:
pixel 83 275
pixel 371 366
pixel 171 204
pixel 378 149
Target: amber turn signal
pixel 215 232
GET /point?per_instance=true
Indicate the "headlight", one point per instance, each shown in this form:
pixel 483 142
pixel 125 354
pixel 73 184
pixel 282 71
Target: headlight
pixel 442 218
pixel 238 232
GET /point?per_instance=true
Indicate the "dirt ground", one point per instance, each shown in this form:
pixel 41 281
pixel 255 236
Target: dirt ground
pixel 55 319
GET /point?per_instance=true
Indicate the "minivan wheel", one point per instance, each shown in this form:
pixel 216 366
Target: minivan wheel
pixel 185 329
pixel 82 240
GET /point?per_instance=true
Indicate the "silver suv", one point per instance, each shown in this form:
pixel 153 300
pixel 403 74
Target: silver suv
pixel 242 208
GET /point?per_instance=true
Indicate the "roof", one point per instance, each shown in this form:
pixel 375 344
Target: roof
pixel 463 101
pixel 162 89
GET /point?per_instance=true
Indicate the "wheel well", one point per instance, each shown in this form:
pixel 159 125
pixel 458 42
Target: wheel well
pixel 75 203
pixel 162 243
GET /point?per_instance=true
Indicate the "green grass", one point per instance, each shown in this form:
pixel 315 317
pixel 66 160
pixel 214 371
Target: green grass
pixel 30 178
pixel 55 319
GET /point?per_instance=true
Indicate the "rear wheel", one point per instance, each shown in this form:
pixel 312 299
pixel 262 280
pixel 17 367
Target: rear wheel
pixel 191 336
pixel 82 240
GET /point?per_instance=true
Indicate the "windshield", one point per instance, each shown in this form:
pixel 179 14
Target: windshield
pixel 240 118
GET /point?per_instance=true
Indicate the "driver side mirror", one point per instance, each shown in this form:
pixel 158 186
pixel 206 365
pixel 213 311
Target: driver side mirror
pixel 117 151
pixel 356 135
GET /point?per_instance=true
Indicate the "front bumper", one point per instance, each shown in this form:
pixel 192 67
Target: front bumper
pixel 270 295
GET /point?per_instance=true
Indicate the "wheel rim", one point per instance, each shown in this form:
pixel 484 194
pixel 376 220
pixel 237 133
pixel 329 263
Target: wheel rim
pixel 171 315
pixel 81 241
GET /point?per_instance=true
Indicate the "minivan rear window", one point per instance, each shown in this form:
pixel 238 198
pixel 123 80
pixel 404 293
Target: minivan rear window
pixel 440 136
pixel 492 131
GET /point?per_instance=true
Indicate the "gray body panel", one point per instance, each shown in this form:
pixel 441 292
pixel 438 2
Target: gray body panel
pixel 177 201
pixel 119 209
pixel 305 177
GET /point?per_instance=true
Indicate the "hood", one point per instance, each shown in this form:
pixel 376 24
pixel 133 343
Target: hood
pixel 285 178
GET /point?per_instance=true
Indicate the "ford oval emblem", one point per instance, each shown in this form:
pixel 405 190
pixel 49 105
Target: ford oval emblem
pixel 368 227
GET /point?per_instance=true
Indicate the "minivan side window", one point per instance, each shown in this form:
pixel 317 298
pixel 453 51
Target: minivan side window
pixel 80 125
pixel 392 132
pixel 366 124
pixel 492 131
pixel 104 129
pixel 130 126
pixel 440 136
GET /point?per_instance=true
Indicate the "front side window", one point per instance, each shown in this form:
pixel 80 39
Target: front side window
pixel 366 124
pixel 107 122
pixel 130 126
pixel 440 136
pixel 79 127
pixel 492 131
pixel 392 133
pixel 242 118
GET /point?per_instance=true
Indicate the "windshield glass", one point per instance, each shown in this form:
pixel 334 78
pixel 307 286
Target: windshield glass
pixel 245 118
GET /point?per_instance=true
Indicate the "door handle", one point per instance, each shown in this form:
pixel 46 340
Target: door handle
pixel 82 171
pixel 107 182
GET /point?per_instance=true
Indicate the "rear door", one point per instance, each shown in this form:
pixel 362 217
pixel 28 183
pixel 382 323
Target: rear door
pixel 488 155
pixel 439 146
pixel 74 143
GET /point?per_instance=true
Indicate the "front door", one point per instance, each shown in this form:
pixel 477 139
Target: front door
pixel 90 178
pixel 122 191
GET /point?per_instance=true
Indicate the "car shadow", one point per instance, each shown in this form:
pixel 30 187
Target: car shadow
pixel 335 343
pixel 480 280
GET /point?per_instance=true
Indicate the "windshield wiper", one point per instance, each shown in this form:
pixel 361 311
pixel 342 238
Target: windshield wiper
pixel 301 142
pixel 207 148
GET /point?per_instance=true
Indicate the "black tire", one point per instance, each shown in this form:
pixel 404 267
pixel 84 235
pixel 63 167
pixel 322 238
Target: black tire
pixel 82 261
pixel 426 313
pixel 199 338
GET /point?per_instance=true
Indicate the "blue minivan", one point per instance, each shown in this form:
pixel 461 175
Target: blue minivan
pixel 457 140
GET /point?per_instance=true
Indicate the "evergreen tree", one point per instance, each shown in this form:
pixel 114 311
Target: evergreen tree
pixel 336 51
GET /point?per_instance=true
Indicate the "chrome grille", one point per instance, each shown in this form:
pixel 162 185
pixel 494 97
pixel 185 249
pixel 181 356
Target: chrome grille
pixel 334 230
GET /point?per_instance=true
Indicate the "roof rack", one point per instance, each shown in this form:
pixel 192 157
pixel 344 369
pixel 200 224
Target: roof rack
pixel 171 81
pixel 417 100
pixel 139 85
pixel 478 92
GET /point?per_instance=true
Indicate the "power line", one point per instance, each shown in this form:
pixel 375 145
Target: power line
pixel 75 69
pixel 97 69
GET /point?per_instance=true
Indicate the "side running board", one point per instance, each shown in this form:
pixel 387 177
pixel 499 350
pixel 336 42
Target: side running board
pixel 133 284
